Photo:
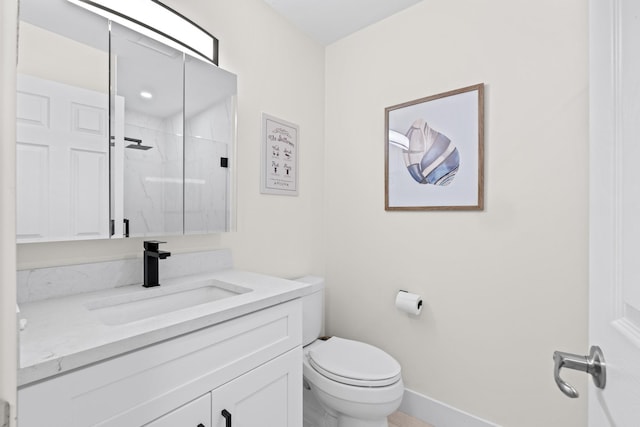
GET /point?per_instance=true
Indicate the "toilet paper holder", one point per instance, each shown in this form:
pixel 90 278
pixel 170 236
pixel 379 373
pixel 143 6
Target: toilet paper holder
pixel 408 302
pixel 419 301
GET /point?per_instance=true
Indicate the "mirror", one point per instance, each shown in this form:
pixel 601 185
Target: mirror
pixel 147 134
pixel 62 123
pixel 210 117
pixel 151 158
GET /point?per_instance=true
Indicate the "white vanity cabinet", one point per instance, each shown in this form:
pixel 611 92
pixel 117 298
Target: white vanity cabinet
pixel 268 396
pixel 192 414
pixel 250 366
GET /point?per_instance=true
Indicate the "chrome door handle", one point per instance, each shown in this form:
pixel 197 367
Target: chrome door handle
pixel 592 364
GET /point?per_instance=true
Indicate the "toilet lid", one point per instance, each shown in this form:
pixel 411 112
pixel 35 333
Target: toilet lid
pixel 354 363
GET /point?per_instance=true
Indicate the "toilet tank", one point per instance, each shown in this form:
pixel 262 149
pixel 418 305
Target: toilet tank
pixel 312 309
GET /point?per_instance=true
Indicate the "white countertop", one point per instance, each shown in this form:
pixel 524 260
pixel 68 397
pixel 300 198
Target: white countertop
pixel 62 334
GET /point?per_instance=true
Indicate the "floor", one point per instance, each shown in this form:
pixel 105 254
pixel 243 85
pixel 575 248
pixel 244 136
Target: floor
pixel 400 419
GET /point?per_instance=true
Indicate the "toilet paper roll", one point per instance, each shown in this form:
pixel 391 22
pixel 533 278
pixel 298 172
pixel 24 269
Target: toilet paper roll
pixel 409 303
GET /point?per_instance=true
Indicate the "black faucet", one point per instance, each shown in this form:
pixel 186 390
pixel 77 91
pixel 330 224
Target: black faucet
pixel 151 256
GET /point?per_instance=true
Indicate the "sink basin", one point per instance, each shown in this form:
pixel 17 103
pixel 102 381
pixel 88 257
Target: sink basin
pixel 145 303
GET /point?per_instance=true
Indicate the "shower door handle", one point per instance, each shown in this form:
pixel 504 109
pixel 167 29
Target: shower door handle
pixel 592 364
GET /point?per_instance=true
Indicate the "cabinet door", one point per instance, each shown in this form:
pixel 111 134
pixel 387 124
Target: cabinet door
pixel 196 413
pixel 267 396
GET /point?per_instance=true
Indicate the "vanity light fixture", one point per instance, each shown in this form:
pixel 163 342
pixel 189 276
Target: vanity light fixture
pixel 159 22
pixel 146 95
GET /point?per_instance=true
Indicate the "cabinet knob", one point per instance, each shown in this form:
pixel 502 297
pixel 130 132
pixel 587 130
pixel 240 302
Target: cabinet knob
pixel 227 416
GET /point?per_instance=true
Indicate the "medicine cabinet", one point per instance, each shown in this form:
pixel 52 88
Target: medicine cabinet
pixel 118 134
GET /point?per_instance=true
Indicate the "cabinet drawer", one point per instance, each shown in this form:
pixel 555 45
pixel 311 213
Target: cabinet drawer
pixel 135 388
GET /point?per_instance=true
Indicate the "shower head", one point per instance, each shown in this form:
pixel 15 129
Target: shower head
pixel 138 144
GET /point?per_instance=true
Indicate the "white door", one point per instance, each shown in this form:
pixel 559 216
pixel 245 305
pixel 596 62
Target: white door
pixel 615 209
pixel 62 161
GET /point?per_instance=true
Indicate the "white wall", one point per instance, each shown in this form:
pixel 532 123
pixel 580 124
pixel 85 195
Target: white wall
pixel 8 346
pixel 51 56
pixel 504 287
pixel 280 72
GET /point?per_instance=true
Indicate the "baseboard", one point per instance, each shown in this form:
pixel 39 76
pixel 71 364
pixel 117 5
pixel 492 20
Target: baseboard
pixel 437 413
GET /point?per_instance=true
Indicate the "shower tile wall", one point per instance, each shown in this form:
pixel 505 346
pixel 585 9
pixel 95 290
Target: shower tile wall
pixel 209 136
pixel 153 178
pixel 153 196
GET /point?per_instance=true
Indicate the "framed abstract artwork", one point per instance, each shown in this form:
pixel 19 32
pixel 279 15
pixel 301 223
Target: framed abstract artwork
pixel 434 156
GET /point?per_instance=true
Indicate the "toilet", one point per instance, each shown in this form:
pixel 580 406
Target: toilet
pixel 347 383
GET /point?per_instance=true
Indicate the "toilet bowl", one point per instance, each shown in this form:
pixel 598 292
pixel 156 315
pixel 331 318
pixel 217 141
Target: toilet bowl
pixel 357 384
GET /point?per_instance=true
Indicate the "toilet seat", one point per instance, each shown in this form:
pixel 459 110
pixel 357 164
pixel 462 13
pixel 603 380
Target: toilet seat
pixel 354 363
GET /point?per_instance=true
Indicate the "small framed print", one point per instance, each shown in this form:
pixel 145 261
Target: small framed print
pixel 279 156
pixel 434 152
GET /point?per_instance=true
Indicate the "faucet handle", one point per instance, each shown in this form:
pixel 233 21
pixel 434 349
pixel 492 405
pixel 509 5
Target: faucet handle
pixel 152 245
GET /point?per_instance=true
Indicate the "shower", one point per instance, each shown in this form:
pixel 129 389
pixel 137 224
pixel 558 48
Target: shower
pixel 138 144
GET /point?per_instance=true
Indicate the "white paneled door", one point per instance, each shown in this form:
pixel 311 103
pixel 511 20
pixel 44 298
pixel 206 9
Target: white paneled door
pixel 615 208
pixel 62 161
